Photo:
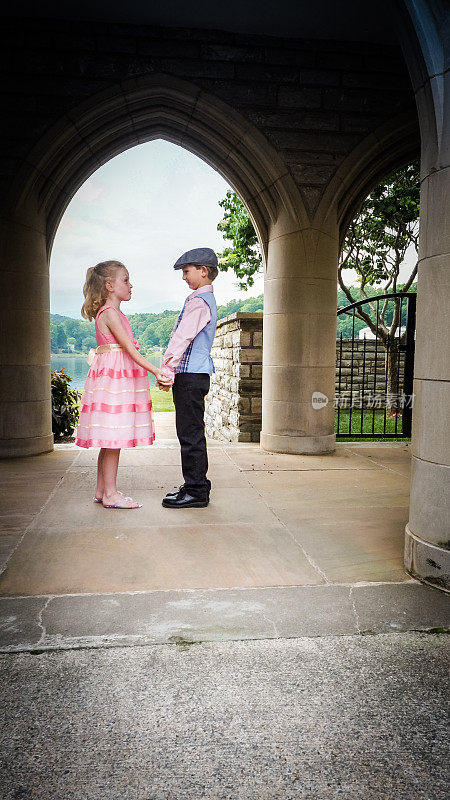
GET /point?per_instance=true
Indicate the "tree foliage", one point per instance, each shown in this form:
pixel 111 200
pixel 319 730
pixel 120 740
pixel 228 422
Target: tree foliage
pixel 377 240
pixel 244 255
pixel 65 404
pixel 375 246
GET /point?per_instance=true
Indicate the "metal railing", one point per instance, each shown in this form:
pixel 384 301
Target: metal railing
pixel 374 393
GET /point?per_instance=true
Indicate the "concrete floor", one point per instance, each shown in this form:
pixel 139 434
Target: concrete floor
pixel 331 718
pixel 298 541
pixel 234 699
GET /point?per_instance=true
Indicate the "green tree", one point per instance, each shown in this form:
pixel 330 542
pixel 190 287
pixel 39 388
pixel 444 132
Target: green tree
pixel 375 245
pixel 253 304
pixel 163 329
pixel 61 337
pixel 148 338
pixel 53 337
pixel 87 343
pixel 244 256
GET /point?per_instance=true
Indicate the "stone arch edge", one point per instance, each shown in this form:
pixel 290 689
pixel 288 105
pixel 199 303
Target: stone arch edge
pixel 139 110
pixel 386 149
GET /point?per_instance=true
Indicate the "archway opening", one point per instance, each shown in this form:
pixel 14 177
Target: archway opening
pixel 144 208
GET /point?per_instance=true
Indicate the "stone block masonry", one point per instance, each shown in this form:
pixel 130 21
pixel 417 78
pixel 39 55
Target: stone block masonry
pixel 314 102
pixel 364 382
pixel 234 403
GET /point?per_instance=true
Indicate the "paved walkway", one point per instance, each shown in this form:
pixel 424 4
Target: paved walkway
pixel 331 718
pixel 234 699
pixel 289 546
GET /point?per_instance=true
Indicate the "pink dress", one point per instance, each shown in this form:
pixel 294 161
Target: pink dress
pixel 116 406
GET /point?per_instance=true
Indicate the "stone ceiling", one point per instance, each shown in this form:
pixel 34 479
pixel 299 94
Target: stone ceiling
pixel 346 20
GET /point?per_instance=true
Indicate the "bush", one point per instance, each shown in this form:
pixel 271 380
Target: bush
pixel 65 404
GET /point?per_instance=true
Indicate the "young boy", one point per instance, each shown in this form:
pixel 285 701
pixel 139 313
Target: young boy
pixel 188 362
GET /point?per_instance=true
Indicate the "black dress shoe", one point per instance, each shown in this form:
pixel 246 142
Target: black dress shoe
pixel 174 494
pixel 184 500
pixel 179 494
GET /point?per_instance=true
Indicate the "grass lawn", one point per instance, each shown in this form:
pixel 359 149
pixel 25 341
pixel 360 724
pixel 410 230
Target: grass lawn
pixel 344 418
pixel 161 401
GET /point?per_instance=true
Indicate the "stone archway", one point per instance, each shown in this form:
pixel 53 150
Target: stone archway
pixel 128 114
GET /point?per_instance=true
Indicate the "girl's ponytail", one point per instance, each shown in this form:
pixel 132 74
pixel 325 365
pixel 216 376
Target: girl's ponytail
pixel 94 289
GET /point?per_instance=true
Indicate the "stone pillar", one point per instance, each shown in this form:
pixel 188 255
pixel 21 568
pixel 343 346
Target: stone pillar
pixel 427 545
pixel 25 407
pixel 427 541
pixel 299 341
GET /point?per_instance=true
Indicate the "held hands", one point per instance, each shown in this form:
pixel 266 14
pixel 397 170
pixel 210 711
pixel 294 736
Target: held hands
pixel 162 381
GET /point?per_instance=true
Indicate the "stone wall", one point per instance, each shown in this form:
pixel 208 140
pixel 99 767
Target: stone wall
pixel 374 386
pixel 233 406
pixel 314 101
pixel 234 403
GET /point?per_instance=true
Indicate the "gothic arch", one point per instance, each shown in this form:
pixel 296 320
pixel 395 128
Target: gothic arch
pixel 146 108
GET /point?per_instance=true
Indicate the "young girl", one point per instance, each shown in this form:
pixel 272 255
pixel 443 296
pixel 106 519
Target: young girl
pixel 116 406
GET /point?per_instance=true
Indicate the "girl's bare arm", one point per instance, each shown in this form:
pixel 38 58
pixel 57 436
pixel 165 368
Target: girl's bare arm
pixel 114 323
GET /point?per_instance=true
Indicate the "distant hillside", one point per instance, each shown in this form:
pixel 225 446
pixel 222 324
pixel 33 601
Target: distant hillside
pixel 153 330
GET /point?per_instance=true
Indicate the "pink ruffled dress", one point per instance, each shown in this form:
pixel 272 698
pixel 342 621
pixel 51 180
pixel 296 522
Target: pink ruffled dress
pixel 116 406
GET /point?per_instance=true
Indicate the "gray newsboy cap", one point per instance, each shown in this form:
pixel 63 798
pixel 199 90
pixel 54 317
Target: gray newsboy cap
pixel 200 256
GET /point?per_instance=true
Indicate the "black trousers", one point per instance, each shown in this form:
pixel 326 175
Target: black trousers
pixel 189 391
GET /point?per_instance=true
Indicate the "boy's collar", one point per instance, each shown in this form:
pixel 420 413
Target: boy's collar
pixel 201 289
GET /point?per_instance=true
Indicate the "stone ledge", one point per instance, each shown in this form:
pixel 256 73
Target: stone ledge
pixel 237 315
pixel 167 617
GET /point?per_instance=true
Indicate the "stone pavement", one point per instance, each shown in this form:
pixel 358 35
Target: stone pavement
pixel 289 546
pixel 254 675
pixel 350 717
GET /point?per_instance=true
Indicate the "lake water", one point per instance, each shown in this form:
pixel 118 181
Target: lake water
pixel 78 368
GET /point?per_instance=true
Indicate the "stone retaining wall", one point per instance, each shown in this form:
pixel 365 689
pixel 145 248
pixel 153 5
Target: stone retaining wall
pixel 374 386
pixel 233 406
pixel 234 403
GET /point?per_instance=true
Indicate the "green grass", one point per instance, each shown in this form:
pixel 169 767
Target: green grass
pixel 161 401
pixel 367 425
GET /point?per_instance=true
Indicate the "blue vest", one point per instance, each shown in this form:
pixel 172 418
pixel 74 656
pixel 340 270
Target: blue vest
pixel 196 357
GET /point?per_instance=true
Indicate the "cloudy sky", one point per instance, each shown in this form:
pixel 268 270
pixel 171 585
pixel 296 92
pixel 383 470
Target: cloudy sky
pixel 145 208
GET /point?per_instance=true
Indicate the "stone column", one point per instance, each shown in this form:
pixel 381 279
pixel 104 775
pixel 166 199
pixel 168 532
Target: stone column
pixel 25 407
pixel 299 339
pixel 427 545
pixel 427 540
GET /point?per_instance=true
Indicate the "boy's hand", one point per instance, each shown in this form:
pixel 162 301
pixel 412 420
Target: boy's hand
pixel 162 381
pixel 162 378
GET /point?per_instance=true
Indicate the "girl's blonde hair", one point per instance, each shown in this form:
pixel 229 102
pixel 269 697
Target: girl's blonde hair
pixel 94 289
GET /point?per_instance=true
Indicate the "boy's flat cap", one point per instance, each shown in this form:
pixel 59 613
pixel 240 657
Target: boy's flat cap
pixel 200 256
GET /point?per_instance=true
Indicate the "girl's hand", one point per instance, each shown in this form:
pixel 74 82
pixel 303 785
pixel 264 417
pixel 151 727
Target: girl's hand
pixel 162 379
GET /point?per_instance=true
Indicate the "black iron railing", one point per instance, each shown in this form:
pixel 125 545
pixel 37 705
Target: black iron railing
pixel 374 375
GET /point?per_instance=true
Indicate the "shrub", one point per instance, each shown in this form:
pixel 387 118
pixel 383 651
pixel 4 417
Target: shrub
pixel 65 404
